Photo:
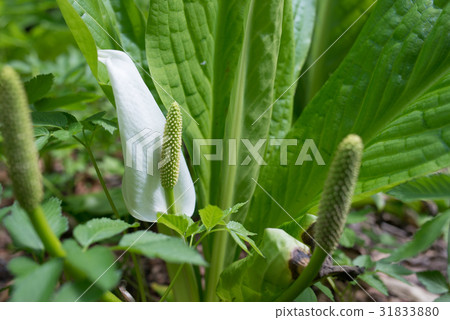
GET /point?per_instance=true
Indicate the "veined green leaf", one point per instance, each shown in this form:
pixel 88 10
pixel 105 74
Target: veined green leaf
pixel 336 21
pixel 434 187
pixel 99 229
pixel 178 223
pixel 414 144
pixel 239 233
pixel 38 86
pixel 434 281
pixel 298 22
pixel 211 216
pixel 389 68
pixel 96 17
pixel 374 281
pixel 217 70
pixel 304 12
pixel 156 245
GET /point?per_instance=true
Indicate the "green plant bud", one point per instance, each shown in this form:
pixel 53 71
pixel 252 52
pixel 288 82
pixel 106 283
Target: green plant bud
pixel 17 130
pixel 171 148
pixel 337 193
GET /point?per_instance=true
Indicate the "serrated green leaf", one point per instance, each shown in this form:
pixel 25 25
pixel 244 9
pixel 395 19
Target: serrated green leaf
pixel 434 281
pixel 195 228
pixel 233 209
pixel 396 271
pixel 97 264
pixel 98 120
pixel 42 135
pixel 211 216
pixel 156 245
pixel 37 87
pixel 238 232
pixel 239 242
pixel 239 229
pixel 423 238
pixel 56 119
pixel 99 229
pixel 434 187
pixel 62 135
pixel 374 281
pixel 38 284
pixel 21 230
pixel 52 103
pixel 178 223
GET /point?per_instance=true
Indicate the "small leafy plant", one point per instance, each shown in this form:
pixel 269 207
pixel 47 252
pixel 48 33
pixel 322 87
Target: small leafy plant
pixel 246 143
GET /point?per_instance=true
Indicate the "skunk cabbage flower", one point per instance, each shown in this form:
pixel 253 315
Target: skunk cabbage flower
pixel 141 125
pixel 19 148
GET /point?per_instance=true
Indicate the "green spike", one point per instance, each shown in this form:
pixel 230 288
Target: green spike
pixel 337 193
pixel 171 148
pixel 17 130
pixel 333 209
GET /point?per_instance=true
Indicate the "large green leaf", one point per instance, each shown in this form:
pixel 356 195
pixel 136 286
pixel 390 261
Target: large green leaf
pixel 414 144
pixel 298 22
pixel 337 25
pixel 434 187
pixel 390 66
pixel 222 74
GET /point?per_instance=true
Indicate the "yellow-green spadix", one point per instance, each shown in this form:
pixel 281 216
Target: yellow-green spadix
pixel 141 125
pixel 19 148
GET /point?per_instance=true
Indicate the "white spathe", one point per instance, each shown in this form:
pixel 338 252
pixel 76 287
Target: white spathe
pixel 141 124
